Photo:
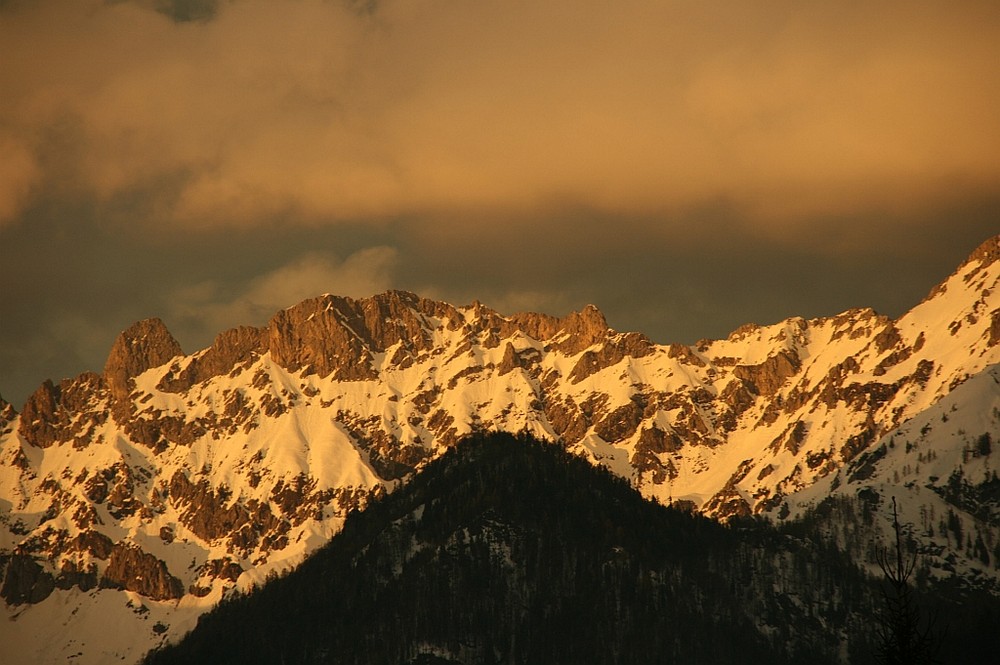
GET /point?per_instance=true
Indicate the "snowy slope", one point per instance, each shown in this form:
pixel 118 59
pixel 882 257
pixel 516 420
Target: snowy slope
pixel 142 495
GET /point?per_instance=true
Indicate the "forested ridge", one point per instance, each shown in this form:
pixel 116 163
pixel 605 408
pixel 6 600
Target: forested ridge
pixel 510 550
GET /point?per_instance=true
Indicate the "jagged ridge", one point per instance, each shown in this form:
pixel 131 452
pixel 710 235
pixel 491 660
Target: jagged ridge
pixel 247 455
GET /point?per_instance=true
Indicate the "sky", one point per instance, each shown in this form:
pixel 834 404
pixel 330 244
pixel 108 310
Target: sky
pixel 685 166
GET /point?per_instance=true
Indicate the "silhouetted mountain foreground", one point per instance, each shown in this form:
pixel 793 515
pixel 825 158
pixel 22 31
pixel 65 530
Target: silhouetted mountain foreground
pixel 509 550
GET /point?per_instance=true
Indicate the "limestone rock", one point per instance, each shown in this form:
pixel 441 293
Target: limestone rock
pixel 230 348
pixel 765 378
pixel 142 346
pixel 132 569
pixel 24 580
pixel 7 413
pixel 67 412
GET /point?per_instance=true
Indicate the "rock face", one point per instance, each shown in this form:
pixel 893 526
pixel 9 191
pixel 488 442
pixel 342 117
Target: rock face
pixel 140 347
pixel 25 581
pixel 71 411
pixel 172 475
pixel 232 347
pixel 134 570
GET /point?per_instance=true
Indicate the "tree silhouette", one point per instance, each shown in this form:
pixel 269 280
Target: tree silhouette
pixel 902 639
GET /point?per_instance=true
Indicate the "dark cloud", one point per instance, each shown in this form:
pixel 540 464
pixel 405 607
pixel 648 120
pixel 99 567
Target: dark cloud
pixel 687 167
pixel 183 11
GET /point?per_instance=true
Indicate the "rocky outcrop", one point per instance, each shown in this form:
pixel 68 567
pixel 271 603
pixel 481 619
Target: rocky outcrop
pixel 132 569
pixel 391 458
pixel 24 580
pixel 986 254
pixel 765 378
pixel 652 443
pixel 140 347
pixel 335 336
pixel 71 574
pixel 114 486
pixel 69 412
pixel 729 501
pixel 92 542
pixel 612 352
pixel 38 420
pixel 233 347
pixel 7 413
pixel 315 337
pixel 620 423
pixel 684 354
pixel 581 329
pixel 210 516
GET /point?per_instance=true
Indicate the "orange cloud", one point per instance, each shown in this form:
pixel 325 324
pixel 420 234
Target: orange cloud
pixel 788 111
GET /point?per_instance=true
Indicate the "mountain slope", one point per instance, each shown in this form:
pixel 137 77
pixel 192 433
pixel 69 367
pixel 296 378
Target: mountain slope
pixel 508 550
pixel 505 550
pixel 146 491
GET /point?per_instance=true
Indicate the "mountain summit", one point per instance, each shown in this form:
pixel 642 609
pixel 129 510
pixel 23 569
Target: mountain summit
pixel 146 492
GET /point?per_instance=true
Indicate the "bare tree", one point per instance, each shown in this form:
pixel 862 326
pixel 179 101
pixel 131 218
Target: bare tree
pixel 902 638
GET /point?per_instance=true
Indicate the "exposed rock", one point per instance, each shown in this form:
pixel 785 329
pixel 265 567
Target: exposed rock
pixel 389 457
pixel 142 346
pixel 737 397
pixel 620 424
pixel 224 569
pixel 230 348
pixel 39 415
pixel 860 441
pixel 511 360
pixel 93 542
pixel 466 372
pixel 337 336
pixel 987 253
pixel 685 354
pixel 73 575
pixel 888 338
pixel 612 352
pixel 132 569
pixel 583 329
pixel 7 413
pixel 653 442
pixel 25 580
pixel 205 512
pixel 566 420
pixel 69 412
pixel 791 439
pixel 765 379
pixel 315 336
pixel 727 502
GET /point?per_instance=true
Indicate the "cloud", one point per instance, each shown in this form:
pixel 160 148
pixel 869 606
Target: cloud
pixel 202 310
pixel 317 112
pixel 19 173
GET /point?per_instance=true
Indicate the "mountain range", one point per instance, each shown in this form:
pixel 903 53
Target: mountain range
pixel 134 500
pixel 508 550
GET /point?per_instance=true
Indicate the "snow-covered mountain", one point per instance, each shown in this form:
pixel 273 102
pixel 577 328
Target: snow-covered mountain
pixel 132 500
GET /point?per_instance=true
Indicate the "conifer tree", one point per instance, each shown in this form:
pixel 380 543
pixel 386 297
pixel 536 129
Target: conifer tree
pixel 902 639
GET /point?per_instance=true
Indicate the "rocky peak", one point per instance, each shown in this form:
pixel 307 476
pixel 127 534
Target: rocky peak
pixel 7 412
pixel 980 259
pixel 142 346
pixel 229 349
pixel 585 328
pixel 987 253
pixel 38 415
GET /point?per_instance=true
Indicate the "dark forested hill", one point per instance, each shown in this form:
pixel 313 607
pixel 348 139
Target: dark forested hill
pixel 514 551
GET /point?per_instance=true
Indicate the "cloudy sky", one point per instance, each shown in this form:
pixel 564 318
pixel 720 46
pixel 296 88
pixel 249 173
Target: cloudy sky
pixel 685 166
